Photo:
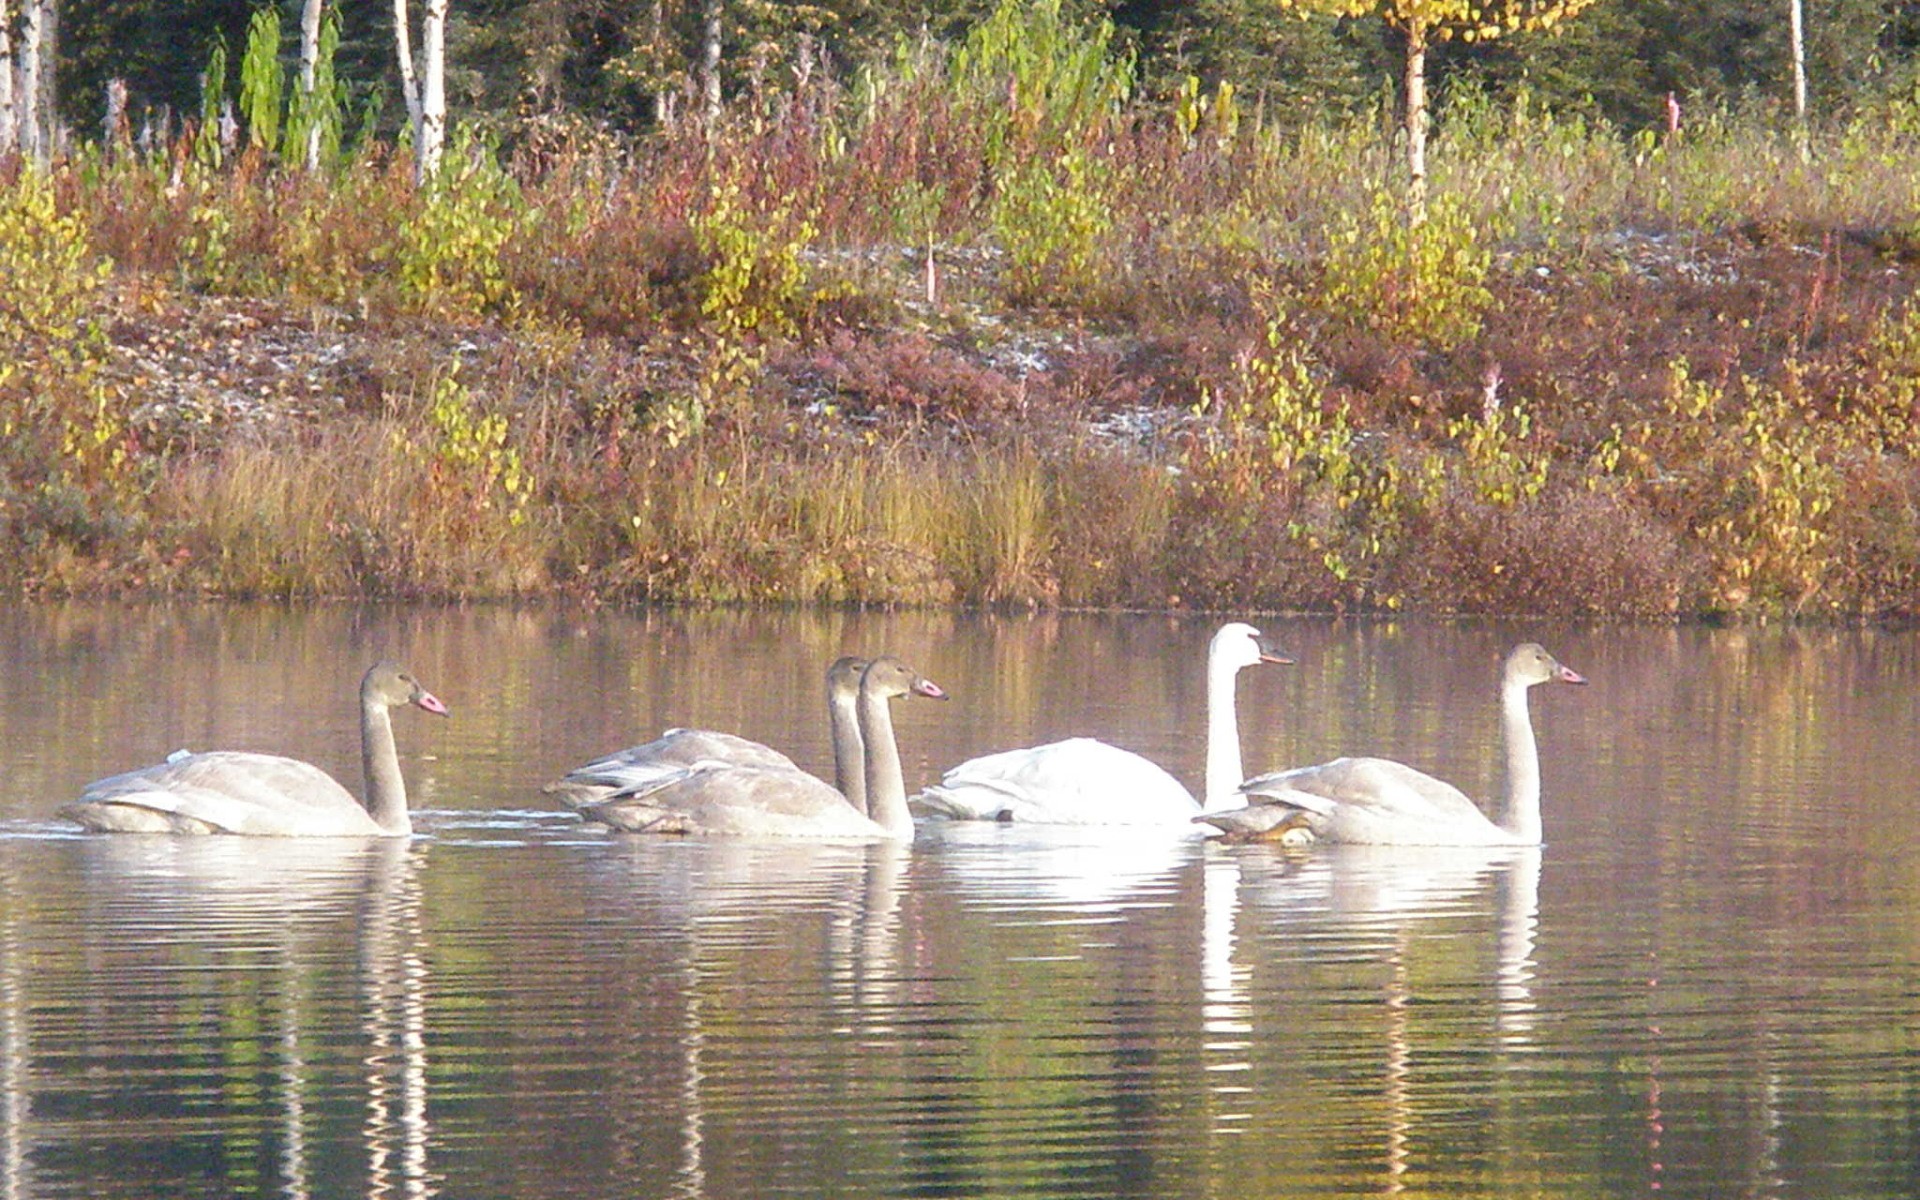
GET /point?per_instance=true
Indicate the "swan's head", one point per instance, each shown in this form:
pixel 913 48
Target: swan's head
pixel 1239 644
pixel 390 685
pixel 843 677
pixel 888 677
pixel 1530 664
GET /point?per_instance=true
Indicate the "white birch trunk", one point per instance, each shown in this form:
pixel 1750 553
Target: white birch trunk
pixel 26 108
pixel 309 58
pixel 409 88
pixel 1416 123
pixel 662 94
pixel 48 111
pixel 9 129
pixel 710 61
pixel 433 92
pixel 1797 19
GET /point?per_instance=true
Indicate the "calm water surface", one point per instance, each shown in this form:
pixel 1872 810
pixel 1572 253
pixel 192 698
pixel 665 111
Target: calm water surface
pixel 1705 985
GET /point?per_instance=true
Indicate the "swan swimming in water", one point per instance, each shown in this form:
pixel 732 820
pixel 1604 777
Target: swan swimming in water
pixel 1377 801
pixel 226 791
pixel 1082 781
pixel 727 798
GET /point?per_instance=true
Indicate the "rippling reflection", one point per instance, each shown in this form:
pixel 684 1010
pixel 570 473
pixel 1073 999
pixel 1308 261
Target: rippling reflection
pixel 188 1020
pixel 1703 986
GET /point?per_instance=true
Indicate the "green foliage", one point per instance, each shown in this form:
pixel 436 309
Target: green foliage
pixel 448 248
pixel 1499 462
pixel 755 281
pixel 318 115
pixel 1049 216
pixel 62 435
pixel 1421 282
pixel 213 100
pixel 1216 113
pixel 1039 77
pixel 262 82
pixel 473 467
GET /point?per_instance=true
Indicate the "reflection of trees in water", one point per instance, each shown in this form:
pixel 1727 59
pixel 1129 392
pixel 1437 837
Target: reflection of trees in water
pixel 180 991
pixel 16 1179
pixel 703 1093
pixel 1335 959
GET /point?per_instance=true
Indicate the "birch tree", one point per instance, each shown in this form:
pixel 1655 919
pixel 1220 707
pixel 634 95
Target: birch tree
pixel 9 129
pixel 1797 30
pixel 424 89
pixel 29 137
pixel 711 28
pixel 1424 24
pixel 309 60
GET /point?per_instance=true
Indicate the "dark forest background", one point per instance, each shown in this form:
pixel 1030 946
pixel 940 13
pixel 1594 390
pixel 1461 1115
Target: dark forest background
pixel 608 61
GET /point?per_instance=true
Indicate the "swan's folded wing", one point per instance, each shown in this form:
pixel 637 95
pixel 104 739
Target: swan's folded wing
pixel 637 769
pixel 723 799
pixel 227 792
pixel 1079 781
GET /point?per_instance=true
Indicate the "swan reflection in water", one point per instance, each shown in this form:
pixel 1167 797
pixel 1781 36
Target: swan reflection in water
pixel 1352 897
pixel 160 909
pixel 733 917
pixel 1091 870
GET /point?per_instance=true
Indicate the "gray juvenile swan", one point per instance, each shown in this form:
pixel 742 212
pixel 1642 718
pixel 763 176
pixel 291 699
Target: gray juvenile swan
pixel 227 791
pixel 1380 802
pixel 668 756
pixel 722 798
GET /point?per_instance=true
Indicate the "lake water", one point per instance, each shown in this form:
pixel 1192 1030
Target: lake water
pixel 1705 985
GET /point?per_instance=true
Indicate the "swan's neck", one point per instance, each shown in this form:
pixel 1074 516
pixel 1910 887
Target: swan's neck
pixel 1224 772
pixel 380 761
pixel 1522 818
pixel 886 786
pixel 849 767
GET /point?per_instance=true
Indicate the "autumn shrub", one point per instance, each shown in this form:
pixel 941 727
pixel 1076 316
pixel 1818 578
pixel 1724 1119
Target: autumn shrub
pixel 1564 552
pixel 449 243
pixel 335 237
pixel 1422 282
pixel 753 244
pixel 909 167
pixel 66 470
pixel 901 375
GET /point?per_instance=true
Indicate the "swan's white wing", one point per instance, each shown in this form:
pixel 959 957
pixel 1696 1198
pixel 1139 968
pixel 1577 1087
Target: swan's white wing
pixel 1080 781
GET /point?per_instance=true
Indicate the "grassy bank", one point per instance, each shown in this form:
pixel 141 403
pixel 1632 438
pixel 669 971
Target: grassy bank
pixel 902 341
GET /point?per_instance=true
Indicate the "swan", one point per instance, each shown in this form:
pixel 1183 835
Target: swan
pixel 673 752
pixel 1083 781
pixel 226 791
pixel 718 797
pixel 1377 801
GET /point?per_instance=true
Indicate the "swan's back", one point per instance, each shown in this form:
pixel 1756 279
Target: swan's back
pixel 1377 801
pixel 223 792
pixel 725 799
pixel 664 759
pixel 1080 781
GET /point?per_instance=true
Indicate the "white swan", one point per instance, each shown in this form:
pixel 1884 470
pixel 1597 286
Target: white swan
pixel 265 794
pixel 1082 781
pixel 1380 802
pixel 668 756
pixel 719 797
